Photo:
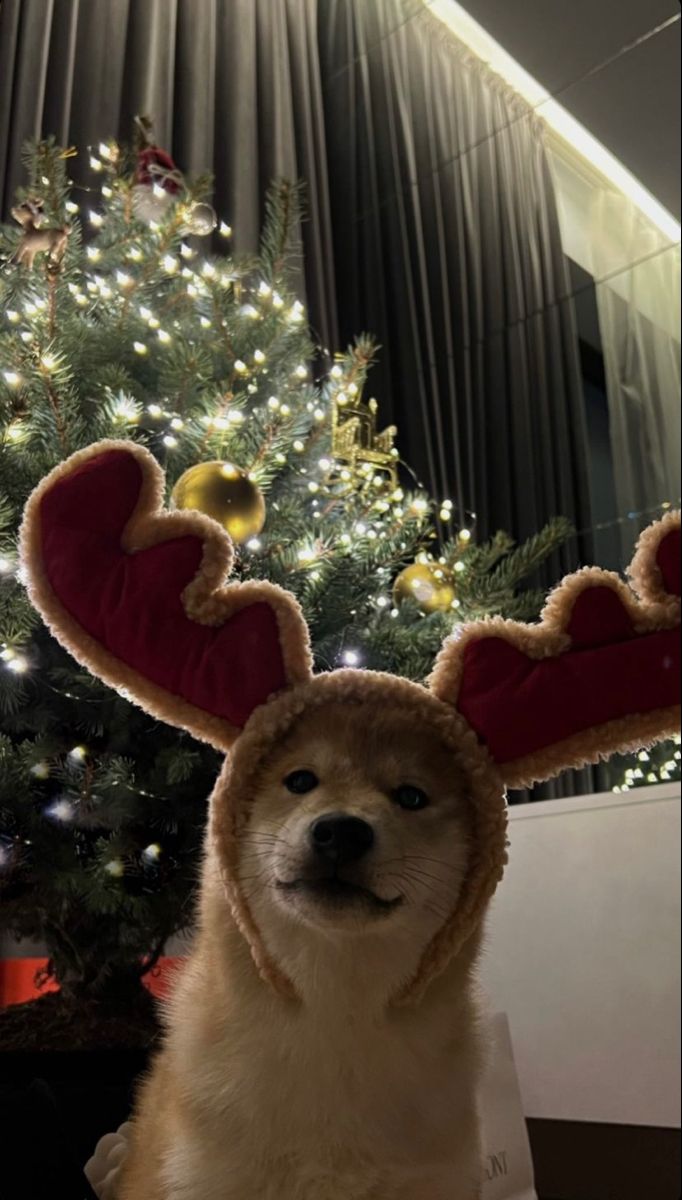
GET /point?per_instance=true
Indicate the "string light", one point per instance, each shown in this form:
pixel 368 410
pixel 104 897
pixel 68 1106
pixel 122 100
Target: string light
pixel 254 544
pixel 459 567
pixel 107 192
pixel 40 770
pixel 49 362
pixel 95 219
pixel 6 565
pixel 13 316
pixel 240 367
pixel 71 207
pixel 140 348
pixel 152 853
pixel 259 356
pixel 249 310
pixel 301 372
pixel 61 810
pixel 12 378
pixel 123 280
pixel 115 868
pixel 95 163
pixel 170 264
pixel 351 658
pixel 78 753
pixel 163 336
pixel 170 441
pixel 93 253
pixel 26 336
pixel 464 535
pixel 306 555
pixel 224 230
pixel 264 289
pixel 277 301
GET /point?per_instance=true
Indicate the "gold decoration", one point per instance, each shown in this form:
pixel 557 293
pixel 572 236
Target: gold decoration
pixel 36 239
pixel 429 584
pixel 356 443
pixel 225 493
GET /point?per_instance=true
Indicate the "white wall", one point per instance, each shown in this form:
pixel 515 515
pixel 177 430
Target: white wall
pixel 583 954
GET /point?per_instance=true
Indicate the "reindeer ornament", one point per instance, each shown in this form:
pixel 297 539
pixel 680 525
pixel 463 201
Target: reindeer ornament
pixel 295 1068
pixel 36 239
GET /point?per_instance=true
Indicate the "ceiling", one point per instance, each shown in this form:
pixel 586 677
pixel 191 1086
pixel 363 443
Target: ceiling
pixel 627 95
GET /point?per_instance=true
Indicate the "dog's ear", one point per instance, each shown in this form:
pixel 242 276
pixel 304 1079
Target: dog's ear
pixel 137 595
pixel 599 674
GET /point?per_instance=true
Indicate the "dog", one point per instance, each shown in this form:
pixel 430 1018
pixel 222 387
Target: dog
pixel 356 852
pixel 324 1040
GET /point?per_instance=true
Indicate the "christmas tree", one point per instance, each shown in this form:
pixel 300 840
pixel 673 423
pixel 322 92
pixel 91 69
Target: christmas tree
pixel 117 320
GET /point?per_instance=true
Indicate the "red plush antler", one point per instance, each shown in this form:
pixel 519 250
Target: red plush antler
pixel 135 594
pixel 599 674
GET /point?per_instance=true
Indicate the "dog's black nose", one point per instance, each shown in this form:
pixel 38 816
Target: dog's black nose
pixel 341 838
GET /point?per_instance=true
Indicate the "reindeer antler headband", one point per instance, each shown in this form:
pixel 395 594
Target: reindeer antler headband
pixel 138 595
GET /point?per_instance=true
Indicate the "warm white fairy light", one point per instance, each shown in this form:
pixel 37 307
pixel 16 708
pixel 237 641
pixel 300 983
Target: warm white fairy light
pixel 351 658
pixel 108 151
pixel 307 555
pixel 273 403
pixel 107 192
pixel 191 290
pixel 464 535
pixel 6 565
pixel 313 487
pixel 299 446
pixel 163 336
pixel 153 323
pixel 71 207
pixel 420 506
pixel 95 163
pixel 324 464
pixel 91 285
pixel 126 410
pixel 40 770
pixel 259 356
pixel 205 323
pixel 95 218
pixel 78 753
pixel 140 348
pixel 81 299
pixel 459 567
pixel 264 289
pixel 152 853
pixel 336 371
pixel 26 336
pixel 170 441
pixel 224 230
pixel 115 868
pixel 254 544
pixel 13 316
pixel 352 389
pixel 12 378
pixel 285 410
pixel 301 372
pixel 170 263
pixel 144 312
pixel 155 410
pixel 296 312
pixel 186 251
pixel 240 367
pixel 445 514
pixel 123 280
pixel 94 253
pixel 249 310
pixel 61 810
pixel 277 301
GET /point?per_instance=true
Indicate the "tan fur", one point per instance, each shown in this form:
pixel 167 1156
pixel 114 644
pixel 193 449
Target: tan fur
pixel 339 1095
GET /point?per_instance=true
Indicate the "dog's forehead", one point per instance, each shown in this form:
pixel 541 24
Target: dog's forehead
pixel 359 732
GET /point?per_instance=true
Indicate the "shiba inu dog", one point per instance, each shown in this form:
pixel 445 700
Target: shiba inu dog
pixel 323 1040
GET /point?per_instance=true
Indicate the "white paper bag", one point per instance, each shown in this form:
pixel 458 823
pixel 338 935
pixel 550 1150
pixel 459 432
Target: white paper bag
pixel 508 1167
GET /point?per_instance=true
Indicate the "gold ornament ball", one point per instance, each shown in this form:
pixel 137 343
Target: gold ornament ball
pixel 429 584
pixel 224 492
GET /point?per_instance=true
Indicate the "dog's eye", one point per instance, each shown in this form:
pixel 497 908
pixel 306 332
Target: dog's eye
pixel 300 782
pixel 410 797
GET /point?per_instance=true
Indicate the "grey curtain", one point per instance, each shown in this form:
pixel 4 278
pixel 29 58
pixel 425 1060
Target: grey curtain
pixel 447 246
pixel 432 219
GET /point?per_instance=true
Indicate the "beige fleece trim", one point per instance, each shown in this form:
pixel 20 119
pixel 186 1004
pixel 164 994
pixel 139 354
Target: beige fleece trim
pixel 549 639
pixel 205 599
pixel 232 799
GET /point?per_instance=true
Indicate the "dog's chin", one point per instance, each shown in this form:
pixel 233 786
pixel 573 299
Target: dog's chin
pixel 335 901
